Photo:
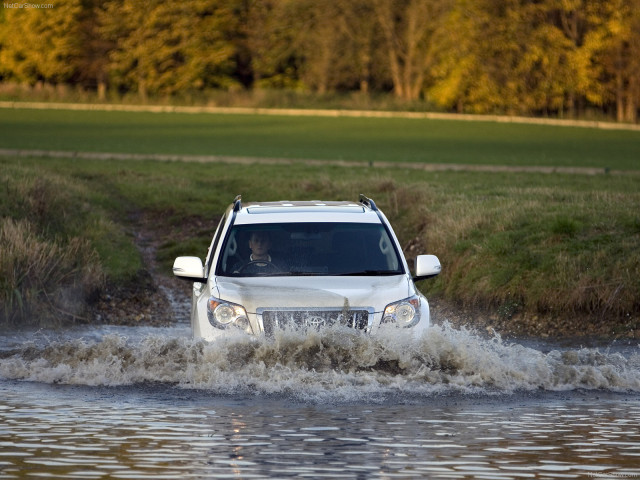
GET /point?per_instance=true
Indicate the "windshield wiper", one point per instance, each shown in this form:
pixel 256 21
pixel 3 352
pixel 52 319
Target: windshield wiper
pixel 295 274
pixel 365 273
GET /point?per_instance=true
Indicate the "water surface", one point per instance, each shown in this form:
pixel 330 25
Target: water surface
pixel 117 402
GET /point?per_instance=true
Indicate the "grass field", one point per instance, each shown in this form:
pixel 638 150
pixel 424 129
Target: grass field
pixel 354 139
pixel 558 251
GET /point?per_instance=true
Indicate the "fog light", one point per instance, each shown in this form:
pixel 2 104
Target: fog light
pixel 242 323
pixel 388 319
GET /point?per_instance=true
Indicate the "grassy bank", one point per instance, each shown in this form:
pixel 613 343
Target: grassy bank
pixel 353 139
pixel 523 247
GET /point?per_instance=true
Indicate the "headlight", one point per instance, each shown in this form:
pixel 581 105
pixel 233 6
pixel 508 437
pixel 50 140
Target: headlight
pixel 405 313
pixel 223 314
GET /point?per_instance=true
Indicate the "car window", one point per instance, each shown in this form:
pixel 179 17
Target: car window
pixel 309 249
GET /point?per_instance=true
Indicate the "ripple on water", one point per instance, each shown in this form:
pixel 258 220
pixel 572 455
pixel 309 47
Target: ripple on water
pixel 64 432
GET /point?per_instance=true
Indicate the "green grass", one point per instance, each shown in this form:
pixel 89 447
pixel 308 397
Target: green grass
pixel 513 243
pixel 509 242
pixel 356 139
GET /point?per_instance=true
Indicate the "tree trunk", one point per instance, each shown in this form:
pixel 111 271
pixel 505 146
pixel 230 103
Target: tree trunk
pixel 619 97
pixel 142 90
pixel 394 64
pixel 633 93
pixel 102 88
pixel 631 110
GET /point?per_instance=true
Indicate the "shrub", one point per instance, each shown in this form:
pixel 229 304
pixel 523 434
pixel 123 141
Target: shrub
pixel 43 281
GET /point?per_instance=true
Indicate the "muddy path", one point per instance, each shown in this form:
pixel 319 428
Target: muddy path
pixel 154 296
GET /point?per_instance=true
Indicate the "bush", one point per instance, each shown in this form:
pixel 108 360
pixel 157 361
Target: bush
pixel 43 281
pixel 49 267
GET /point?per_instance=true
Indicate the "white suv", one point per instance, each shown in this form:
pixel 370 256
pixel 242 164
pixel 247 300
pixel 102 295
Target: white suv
pixel 311 264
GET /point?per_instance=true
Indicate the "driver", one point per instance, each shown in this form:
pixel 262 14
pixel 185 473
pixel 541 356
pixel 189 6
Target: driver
pixel 259 244
pixel 260 260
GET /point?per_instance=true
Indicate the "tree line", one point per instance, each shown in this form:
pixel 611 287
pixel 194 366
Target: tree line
pixel 523 57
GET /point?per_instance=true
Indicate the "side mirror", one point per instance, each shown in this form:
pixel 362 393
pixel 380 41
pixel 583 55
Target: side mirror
pixel 189 268
pixel 427 266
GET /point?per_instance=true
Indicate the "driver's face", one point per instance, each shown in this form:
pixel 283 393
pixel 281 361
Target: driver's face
pixel 259 244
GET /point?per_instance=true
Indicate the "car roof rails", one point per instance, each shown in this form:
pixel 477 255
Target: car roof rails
pixel 237 203
pixel 368 202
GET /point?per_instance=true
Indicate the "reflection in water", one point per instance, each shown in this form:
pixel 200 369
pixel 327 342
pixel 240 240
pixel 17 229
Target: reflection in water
pixel 134 403
pixel 142 432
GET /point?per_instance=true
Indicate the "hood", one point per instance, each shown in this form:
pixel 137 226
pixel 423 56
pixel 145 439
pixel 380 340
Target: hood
pixel 288 292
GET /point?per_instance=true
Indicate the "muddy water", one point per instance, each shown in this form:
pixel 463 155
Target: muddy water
pixel 152 403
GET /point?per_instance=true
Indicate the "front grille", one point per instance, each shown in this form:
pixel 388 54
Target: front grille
pixel 295 318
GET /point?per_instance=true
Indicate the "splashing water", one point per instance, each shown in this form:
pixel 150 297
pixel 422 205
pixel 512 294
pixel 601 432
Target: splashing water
pixel 335 364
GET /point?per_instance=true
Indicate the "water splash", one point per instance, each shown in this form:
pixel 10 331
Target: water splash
pixel 336 364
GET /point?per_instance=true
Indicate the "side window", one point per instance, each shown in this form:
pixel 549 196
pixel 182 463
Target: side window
pixel 230 253
pixel 214 243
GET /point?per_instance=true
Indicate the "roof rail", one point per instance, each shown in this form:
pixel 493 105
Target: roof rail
pixel 237 203
pixel 368 202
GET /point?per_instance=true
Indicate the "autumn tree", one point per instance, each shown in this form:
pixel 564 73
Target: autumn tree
pixel 360 48
pixel 41 44
pixel 93 61
pixel 269 33
pixel 169 46
pixel 408 27
pixel 546 70
pixel 458 80
pixel 320 42
pixel 321 45
pixel 613 46
pixel 543 57
pixel 572 18
pixel 511 56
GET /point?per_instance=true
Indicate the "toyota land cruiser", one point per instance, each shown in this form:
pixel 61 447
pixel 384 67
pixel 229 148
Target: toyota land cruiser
pixel 304 264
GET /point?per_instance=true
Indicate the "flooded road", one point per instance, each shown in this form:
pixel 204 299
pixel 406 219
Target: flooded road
pixel 116 402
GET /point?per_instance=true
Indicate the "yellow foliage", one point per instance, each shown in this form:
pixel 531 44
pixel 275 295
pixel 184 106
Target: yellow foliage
pixel 40 44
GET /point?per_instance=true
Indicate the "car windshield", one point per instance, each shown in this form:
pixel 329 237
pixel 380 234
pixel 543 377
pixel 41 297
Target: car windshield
pixel 296 249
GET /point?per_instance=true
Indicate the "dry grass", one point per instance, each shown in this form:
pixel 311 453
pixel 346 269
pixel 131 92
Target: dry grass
pixel 49 269
pixel 43 281
pixel 541 250
pixel 513 244
pixel 514 247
